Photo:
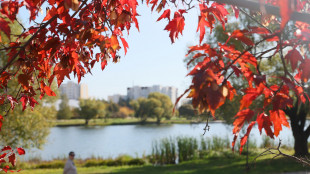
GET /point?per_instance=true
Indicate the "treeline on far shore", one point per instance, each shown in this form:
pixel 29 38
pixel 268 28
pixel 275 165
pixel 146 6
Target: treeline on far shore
pixel 155 108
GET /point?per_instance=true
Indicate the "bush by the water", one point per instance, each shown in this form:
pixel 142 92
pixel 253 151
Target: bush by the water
pixel 119 161
pixel 164 152
pixel 180 149
pixel 51 164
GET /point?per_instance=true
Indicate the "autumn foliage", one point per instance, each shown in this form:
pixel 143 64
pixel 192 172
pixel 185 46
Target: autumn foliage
pixel 64 43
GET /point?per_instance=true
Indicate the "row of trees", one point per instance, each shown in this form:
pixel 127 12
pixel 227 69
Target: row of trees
pixel 92 108
pixel 157 106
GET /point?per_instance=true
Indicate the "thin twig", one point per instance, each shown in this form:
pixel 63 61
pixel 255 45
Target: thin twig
pixel 207 127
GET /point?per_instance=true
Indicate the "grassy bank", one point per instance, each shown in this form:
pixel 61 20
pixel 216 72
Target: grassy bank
pixel 228 163
pixel 119 121
pixel 179 155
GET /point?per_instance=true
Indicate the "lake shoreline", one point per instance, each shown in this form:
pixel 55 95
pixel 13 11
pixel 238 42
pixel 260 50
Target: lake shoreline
pixel 129 122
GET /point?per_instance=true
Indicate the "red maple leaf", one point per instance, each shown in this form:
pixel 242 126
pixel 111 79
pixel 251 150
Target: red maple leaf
pixel 12 159
pixel 125 44
pixel 175 26
pixel 239 35
pixel 245 137
pixel 241 117
pixel 278 118
pixel 166 14
pixel 293 56
pixel 32 102
pixel 250 95
pixel 285 11
pixel 2 156
pixel 24 79
pixel 4 26
pixel 264 121
pixel 20 151
pixel 6 168
pixel 5 148
pixel 305 70
pixel 114 42
pixel 12 100
pixel 24 100
pixel 48 91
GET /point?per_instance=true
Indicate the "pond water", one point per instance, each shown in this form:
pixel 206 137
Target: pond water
pixel 134 140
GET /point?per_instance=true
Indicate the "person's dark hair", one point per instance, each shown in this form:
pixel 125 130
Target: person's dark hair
pixel 71 153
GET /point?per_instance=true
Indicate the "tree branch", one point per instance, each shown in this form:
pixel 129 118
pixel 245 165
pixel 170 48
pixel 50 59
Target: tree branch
pixel 12 59
pixel 255 6
pixel 277 152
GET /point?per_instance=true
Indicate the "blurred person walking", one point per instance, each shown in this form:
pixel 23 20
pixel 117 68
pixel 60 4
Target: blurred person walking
pixel 70 166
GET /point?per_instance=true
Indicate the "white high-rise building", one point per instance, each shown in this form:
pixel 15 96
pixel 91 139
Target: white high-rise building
pixel 136 92
pixel 84 91
pixel 74 91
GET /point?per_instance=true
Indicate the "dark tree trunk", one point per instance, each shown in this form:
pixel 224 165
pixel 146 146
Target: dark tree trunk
pixel 297 116
pixel 143 120
pixel 301 146
pixel 158 120
pixel 86 122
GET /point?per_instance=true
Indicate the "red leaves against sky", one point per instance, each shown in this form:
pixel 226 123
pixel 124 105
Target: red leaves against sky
pixel 208 15
pixel 176 25
pixel 65 45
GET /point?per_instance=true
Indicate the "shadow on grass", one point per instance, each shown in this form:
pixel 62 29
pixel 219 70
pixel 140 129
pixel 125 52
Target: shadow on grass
pixel 221 166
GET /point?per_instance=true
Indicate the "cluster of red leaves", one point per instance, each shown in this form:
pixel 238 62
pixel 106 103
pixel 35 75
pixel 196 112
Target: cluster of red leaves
pixel 210 77
pixel 61 44
pixel 8 156
pixel 64 43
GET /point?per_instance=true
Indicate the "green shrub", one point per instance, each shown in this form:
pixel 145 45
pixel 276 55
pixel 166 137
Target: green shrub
pixel 51 164
pixel 136 161
pixel 164 152
pixel 95 162
pixel 187 148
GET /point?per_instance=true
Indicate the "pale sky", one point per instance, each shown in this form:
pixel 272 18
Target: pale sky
pixel 151 58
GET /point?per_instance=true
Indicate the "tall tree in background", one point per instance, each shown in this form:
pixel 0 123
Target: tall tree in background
pixel 187 110
pixel 157 106
pixel 141 106
pixel 90 109
pixel 161 106
pixel 64 111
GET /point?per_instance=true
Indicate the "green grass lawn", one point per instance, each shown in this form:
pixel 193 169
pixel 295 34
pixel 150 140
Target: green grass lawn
pixel 219 165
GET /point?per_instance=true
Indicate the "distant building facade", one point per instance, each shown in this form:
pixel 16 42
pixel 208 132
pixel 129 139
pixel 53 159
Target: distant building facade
pixel 116 98
pixel 136 92
pixel 74 91
pixel 84 91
